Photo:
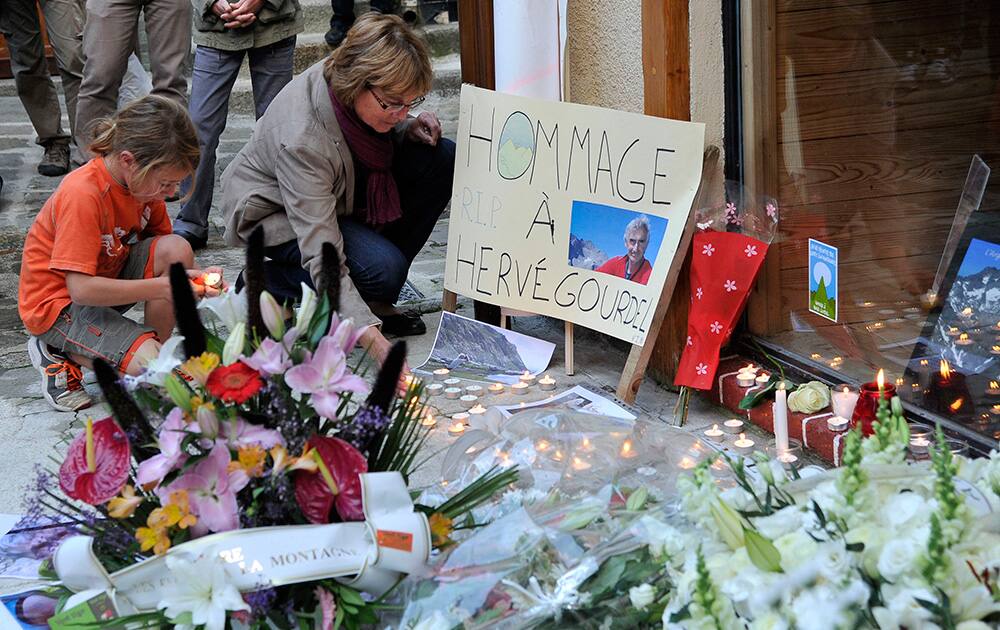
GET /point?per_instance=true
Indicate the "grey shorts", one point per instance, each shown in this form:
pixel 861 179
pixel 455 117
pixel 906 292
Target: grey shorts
pixel 103 332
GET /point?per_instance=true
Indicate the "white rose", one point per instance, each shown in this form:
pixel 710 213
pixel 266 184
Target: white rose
pixel 818 609
pixel 784 521
pixel 641 596
pixel 795 548
pixel 809 397
pixel 902 508
pixel 973 625
pixel 834 560
pixel 897 558
pixel 769 621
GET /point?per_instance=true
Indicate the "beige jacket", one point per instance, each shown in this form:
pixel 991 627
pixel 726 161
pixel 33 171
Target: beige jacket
pixel 295 177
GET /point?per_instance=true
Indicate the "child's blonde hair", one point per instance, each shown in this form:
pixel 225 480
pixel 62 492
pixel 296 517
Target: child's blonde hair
pixel 156 130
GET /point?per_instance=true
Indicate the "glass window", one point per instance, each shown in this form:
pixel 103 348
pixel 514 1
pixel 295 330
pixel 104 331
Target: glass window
pixel 864 117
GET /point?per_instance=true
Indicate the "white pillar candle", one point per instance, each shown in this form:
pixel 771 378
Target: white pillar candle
pixel 547 383
pixel 780 411
pixel 441 373
pixel 435 389
pixel 844 399
pixel 733 426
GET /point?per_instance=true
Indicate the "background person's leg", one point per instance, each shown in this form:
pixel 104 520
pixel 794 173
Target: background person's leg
pixel 22 30
pixel 215 72
pixel 64 22
pixel 340 21
pixel 108 40
pixel 270 71
pixel 378 267
pixel 168 31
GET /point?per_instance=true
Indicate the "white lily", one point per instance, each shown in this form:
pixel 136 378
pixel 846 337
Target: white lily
pixel 157 370
pixel 304 313
pixel 273 315
pixel 234 344
pixel 229 306
pixel 200 594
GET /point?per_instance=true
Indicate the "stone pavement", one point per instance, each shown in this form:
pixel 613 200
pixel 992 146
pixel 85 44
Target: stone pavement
pixel 29 429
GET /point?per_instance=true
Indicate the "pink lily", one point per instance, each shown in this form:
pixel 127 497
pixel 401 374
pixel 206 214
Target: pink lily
pixel 211 492
pixel 172 432
pixel 344 333
pixel 238 433
pixel 325 376
pixel 270 358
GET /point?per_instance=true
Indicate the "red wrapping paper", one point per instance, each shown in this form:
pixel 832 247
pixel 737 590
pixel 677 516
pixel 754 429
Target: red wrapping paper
pixel 723 268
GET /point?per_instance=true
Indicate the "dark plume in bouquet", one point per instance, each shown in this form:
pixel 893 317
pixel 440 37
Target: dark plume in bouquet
pixel 253 275
pixel 137 427
pixel 329 281
pixel 186 312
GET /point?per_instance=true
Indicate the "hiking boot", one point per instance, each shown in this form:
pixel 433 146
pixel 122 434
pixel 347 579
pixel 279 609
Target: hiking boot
pixel 61 378
pixel 55 162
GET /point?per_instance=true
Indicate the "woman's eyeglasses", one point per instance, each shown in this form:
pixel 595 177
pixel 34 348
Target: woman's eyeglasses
pixel 395 108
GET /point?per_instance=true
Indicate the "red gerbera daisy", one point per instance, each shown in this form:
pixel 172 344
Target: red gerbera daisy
pixel 234 383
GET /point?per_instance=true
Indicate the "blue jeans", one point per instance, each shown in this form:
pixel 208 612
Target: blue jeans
pixel 215 72
pixel 379 261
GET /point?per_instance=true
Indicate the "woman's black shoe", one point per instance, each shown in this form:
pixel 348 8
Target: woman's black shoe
pixel 403 325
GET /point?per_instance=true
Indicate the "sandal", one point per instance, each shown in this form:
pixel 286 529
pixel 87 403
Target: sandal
pixel 403 325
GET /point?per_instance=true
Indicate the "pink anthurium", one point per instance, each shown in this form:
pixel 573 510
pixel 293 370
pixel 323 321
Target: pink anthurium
pixel 336 481
pixel 97 463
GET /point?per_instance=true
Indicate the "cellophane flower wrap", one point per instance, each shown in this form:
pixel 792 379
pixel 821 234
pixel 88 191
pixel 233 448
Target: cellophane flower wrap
pixel 263 420
pixel 727 252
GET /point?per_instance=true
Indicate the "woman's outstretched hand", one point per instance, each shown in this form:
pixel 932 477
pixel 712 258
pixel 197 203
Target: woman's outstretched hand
pixel 425 128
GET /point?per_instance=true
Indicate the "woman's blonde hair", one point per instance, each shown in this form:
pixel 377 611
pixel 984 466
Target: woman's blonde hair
pixel 154 129
pixel 379 51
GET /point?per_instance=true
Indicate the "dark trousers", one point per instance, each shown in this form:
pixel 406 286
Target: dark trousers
pixel 379 261
pixel 215 72
pixel 343 18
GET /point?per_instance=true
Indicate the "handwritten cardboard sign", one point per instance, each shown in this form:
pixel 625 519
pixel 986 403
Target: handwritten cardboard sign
pixel 569 210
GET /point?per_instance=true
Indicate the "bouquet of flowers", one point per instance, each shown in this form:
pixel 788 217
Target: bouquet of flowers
pixel 879 543
pixel 244 480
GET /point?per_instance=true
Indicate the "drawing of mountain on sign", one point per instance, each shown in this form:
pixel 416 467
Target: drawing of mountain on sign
pixel 468 346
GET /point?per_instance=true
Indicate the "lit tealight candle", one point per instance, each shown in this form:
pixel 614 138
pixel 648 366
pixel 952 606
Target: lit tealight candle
pixel 744 445
pixel 495 389
pixel 953 331
pixel 919 445
pixel 579 464
pixel 527 378
pixel 996 327
pixel 746 377
pixel 995 410
pixel 788 460
pixel 763 378
pixel 627 450
pixel 547 383
pixel 963 340
pixel 462 417
pixel 542 445
pixel 966 312
pixel 993 389
pixel 519 388
pixel 452 382
pixel 733 426
pixel 714 434
pixel 441 373
pixel 212 279
pixel 456 428
pixel 995 351
pixel 837 424
pixel 477 410
pixel 468 401
pixel 586 446
pixel 435 389
pixel 452 392
pixel 429 420
pixel 474 390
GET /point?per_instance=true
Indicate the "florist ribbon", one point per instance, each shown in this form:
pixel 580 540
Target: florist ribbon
pixel 368 555
pixel 723 268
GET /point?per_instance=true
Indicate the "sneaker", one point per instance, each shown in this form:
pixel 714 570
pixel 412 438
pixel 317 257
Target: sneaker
pixel 61 378
pixel 55 162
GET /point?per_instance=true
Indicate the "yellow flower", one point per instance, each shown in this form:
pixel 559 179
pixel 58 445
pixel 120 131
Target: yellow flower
pixel 281 461
pixel 199 368
pixel 153 538
pixel 179 500
pixel 279 458
pixel 251 460
pixel 441 527
pixel 164 517
pixel 124 506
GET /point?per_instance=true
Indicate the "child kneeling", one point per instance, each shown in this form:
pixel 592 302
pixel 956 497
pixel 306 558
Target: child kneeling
pixel 103 242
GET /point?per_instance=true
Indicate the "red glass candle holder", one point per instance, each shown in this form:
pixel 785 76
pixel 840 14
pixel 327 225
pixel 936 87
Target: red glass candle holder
pixel 864 411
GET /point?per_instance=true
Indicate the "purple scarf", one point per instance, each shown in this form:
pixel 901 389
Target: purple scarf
pixel 374 152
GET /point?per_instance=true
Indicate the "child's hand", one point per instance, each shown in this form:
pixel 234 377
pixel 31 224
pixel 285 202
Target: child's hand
pixel 207 282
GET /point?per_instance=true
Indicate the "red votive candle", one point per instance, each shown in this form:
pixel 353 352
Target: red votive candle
pixel 864 411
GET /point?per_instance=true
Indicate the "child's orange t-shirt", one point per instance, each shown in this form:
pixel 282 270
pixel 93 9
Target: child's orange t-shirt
pixel 88 225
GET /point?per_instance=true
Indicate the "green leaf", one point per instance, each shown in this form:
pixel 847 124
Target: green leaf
pixel 637 499
pixel 764 555
pixel 753 399
pixel 350 596
pixel 608 576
